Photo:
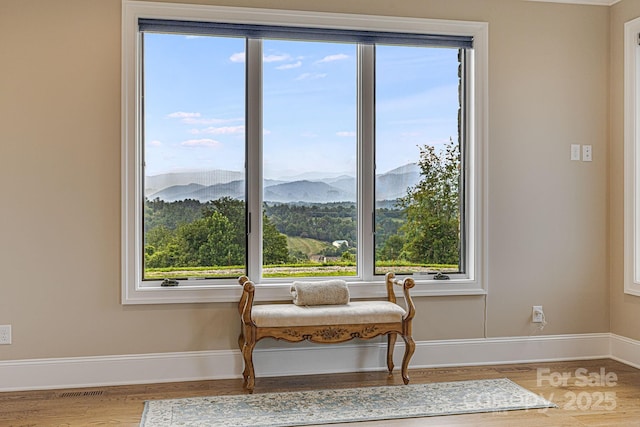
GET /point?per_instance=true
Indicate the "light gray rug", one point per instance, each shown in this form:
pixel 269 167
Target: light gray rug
pixel 300 408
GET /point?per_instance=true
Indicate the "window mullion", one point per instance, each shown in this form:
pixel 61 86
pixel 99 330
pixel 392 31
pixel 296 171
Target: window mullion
pixel 366 160
pixel 253 126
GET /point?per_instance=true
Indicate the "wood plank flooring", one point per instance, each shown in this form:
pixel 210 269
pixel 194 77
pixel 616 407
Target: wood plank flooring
pixel 584 397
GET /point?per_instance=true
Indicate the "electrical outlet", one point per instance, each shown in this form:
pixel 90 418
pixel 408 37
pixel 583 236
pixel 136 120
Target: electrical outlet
pixel 5 334
pixel 537 315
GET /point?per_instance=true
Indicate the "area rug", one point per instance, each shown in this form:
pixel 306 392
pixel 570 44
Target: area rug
pixel 299 408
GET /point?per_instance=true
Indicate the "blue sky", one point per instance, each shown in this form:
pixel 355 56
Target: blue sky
pixel 194 104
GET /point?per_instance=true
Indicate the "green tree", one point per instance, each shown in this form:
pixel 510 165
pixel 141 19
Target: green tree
pixel 210 241
pixel 347 256
pixel 161 248
pixel 234 211
pixel 167 256
pixel 432 230
pixel 392 248
pixel 159 236
pixel 274 243
pixel 388 240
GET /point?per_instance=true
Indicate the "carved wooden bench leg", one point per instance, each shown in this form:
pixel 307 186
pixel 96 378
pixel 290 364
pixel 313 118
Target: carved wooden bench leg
pixel 244 372
pixel 249 371
pixel 391 343
pixel 410 347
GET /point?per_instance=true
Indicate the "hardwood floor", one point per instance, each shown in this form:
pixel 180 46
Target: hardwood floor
pixel 584 396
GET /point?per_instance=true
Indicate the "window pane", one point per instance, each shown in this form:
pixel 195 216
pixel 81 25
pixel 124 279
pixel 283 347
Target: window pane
pixel 418 191
pixel 194 155
pixel 309 152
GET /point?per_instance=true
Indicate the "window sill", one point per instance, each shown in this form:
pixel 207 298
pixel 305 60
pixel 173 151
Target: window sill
pixel 632 288
pixel 186 294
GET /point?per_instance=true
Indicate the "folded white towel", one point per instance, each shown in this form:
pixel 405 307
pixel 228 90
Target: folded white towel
pixel 326 292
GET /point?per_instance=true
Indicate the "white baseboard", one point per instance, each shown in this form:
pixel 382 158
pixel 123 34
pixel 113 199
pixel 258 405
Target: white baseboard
pixel 625 350
pixel 495 351
pixel 306 359
pixel 73 372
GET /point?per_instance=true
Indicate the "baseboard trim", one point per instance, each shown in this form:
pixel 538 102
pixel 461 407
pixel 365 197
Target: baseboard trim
pixel 306 359
pixel 625 350
pixel 496 351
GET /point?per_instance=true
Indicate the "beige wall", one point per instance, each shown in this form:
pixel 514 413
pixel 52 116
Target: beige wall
pixel 60 180
pixel 625 309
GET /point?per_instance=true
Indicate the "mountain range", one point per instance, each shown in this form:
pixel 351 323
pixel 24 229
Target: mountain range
pixel 211 185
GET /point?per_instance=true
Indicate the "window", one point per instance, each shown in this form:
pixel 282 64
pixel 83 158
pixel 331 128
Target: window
pixel 420 143
pixel 309 158
pixel 632 157
pixel 193 140
pixel 299 145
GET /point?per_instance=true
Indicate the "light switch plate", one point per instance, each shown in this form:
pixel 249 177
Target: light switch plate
pixel 575 151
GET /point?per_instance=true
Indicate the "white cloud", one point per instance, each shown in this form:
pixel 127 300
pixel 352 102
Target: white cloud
pixel 211 121
pixel 276 58
pixel 210 143
pixel 346 134
pixel 289 66
pixel 311 76
pixel 224 130
pixel 155 143
pixel 332 58
pixel 183 115
pixel 237 57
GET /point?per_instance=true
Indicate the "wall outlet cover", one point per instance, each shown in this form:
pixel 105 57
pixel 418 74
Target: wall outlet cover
pixel 5 334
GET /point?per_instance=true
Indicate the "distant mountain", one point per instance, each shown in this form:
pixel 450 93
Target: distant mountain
pixel 344 183
pixel 335 179
pixel 306 191
pixel 312 176
pixel 204 187
pixel 175 192
pixel 157 183
pixel 234 189
pixel 394 184
pixel 408 168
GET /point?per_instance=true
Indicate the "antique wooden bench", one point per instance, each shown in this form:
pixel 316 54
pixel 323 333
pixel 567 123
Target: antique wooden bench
pixel 326 323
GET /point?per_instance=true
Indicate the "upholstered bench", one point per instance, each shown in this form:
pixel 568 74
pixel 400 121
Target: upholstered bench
pixel 326 323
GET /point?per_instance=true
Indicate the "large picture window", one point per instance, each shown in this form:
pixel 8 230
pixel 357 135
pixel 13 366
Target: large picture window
pixel 287 151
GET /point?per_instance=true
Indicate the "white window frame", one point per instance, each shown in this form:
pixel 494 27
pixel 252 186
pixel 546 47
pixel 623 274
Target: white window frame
pixel 134 291
pixel 632 157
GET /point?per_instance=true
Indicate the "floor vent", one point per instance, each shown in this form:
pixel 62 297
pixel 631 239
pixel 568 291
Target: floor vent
pixel 81 393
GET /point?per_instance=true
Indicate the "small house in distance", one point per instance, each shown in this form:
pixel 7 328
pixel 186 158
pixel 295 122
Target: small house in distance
pixel 338 243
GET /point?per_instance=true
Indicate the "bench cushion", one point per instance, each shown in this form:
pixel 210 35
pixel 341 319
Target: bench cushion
pixel 356 312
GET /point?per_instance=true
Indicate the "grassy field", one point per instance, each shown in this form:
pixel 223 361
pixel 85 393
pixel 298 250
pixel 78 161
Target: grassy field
pixel 307 269
pixel 306 246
